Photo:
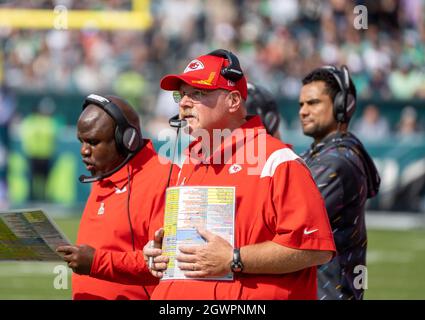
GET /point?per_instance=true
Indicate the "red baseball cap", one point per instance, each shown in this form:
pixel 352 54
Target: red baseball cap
pixel 204 72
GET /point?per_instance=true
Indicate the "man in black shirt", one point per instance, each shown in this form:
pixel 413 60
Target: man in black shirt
pixel 345 174
pixel 261 101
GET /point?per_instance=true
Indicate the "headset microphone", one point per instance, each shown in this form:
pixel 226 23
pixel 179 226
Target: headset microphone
pixel 90 179
pixel 178 123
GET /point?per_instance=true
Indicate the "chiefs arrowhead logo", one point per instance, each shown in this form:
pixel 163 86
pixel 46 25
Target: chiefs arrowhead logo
pixel 194 65
pixel 235 168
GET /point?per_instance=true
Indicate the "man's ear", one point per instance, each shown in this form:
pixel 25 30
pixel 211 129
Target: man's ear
pixel 234 101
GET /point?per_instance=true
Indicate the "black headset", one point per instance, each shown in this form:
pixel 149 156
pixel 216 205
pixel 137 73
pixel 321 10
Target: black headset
pixel 260 101
pixel 127 137
pixel 344 102
pixel 233 71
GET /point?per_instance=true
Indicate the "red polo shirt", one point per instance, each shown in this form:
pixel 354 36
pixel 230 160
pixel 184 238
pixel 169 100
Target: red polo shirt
pixel 117 271
pixel 276 200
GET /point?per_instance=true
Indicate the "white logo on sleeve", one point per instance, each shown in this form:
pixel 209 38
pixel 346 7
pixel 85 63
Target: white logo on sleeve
pixel 310 231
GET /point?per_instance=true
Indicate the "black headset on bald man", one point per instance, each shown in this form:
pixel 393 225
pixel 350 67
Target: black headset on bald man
pixel 127 137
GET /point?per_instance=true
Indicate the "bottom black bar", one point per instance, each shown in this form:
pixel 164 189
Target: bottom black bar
pixel 258 309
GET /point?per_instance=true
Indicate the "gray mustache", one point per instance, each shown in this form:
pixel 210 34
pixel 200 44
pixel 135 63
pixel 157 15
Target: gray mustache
pixel 188 114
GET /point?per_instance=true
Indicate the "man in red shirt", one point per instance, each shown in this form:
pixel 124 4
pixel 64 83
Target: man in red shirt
pixel 126 201
pixel 281 227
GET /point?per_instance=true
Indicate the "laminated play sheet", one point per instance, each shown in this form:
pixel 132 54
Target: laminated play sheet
pixel 29 234
pixel 189 207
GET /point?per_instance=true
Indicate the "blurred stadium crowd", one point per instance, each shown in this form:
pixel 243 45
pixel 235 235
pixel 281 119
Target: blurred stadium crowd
pixel 278 42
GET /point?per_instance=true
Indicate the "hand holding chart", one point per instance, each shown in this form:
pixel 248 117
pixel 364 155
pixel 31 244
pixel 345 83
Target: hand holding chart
pixel 29 234
pixel 187 208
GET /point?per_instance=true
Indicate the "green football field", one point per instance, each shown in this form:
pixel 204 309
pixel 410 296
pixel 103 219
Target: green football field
pixel 396 261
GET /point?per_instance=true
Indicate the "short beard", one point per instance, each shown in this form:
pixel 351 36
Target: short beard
pixel 317 133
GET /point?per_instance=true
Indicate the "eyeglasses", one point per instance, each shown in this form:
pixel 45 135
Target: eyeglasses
pixel 195 95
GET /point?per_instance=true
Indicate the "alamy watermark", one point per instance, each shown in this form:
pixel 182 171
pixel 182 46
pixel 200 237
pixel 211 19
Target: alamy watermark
pixel 60 21
pixel 240 146
pixel 360 20
pixel 360 281
pixel 60 282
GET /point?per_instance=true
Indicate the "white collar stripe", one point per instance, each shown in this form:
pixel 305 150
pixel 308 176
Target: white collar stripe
pixel 275 159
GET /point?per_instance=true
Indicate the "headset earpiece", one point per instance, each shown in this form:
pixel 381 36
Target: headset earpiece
pixel 130 139
pixel 344 102
pixel 127 137
pixel 260 101
pixel 271 122
pixel 339 107
pixel 351 106
pixel 233 71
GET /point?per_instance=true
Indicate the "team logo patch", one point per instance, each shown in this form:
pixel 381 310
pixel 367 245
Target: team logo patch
pixel 235 168
pixel 193 66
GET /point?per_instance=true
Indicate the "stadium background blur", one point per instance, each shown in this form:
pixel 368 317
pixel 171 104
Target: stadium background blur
pixel 48 68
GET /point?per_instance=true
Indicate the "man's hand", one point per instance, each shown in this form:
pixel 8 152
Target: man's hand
pixel 79 258
pixel 212 259
pixel 156 262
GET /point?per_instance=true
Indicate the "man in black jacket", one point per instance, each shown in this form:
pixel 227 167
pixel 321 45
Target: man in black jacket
pixel 345 174
pixel 261 101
